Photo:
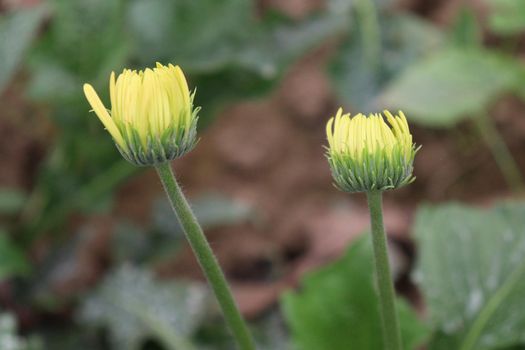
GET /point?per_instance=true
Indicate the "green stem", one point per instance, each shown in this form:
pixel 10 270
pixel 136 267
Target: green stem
pixel 501 153
pixel 368 24
pixel 391 333
pixel 205 256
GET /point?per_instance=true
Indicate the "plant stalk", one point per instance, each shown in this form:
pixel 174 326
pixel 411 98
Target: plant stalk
pixel 368 24
pixel 205 256
pixel 500 151
pixel 391 333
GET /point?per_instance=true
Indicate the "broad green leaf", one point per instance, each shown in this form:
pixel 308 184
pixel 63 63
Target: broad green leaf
pixel 472 273
pixel 507 17
pixel 12 260
pixel 361 69
pixel 134 306
pixel 337 307
pixel 452 86
pixel 17 31
pixel 11 200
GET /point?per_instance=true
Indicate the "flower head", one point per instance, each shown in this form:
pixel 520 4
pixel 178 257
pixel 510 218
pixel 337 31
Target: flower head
pixel 152 119
pixel 366 154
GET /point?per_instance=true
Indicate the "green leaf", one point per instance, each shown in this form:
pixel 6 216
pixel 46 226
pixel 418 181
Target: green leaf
pixel 134 306
pixel 51 82
pixel 337 307
pixel 252 64
pixel 196 29
pixel 507 17
pixel 17 31
pixel 11 200
pixel 472 274
pixel 452 86
pixel 277 42
pixel 360 71
pixel 83 42
pixel 12 260
pixel 234 55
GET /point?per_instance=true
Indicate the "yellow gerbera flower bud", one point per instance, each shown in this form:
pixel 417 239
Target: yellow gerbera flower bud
pixel 365 154
pixel 152 119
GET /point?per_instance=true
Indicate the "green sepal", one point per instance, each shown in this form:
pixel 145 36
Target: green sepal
pixel 372 171
pixel 174 142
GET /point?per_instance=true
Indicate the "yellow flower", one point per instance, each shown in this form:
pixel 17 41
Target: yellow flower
pixel 152 119
pixel 366 154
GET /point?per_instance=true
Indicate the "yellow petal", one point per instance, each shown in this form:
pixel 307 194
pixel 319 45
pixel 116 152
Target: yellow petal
pixel 113 94
pixel 103 115
pixel 183 84
pixel 329 133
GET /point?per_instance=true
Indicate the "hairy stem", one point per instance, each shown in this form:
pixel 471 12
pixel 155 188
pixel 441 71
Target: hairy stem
pixel 391 333
pixel 205 256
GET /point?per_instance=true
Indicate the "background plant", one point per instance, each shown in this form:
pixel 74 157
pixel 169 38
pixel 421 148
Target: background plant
pixel 376 54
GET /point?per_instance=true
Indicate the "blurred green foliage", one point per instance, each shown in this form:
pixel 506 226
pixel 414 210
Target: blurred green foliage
pixel 438 78
pixel 11 201
pixel 165 236
pixel 223 47
pixel 228 52
pixel 437 82
pixel 376 48
pixel 453 85
pixel 134 307
pixel 10 340
pixel 468 272
pixel 507 16
pixel 17 31
pixel 12 259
